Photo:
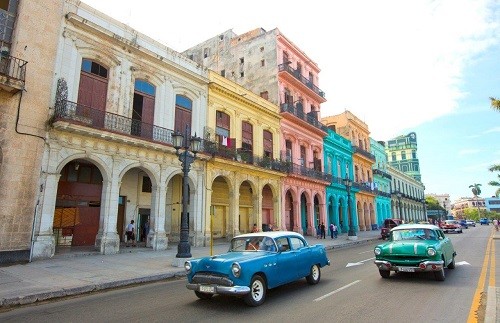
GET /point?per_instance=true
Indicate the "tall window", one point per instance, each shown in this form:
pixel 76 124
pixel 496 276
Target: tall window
pixel 93 86
pixel 289 156
pixel 268 144
pixel 403 155
pixel 143 109
pixel 223 128
pixel 247 136
pixel 393 156
pixel 414 154
pixel 183 111
pixel 302 156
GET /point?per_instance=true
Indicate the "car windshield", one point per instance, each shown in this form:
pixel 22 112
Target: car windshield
pixel 414 234
pixel 255 243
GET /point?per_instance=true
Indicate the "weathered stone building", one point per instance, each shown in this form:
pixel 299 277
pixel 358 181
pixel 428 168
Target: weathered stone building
pixel 116 96
pixel 29 37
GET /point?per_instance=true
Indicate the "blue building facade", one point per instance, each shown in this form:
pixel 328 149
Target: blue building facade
pixel 382 181
pixel 338 163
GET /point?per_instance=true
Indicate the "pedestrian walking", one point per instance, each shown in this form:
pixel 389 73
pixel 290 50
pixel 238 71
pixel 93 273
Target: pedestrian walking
pixel 323 231
pixel 335 231
pixel 318 231
pixel 331 230
pixel 130 232
pixel 495 224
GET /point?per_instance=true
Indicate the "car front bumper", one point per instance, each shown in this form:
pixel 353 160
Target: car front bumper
pixel 218 289
pixel 422 267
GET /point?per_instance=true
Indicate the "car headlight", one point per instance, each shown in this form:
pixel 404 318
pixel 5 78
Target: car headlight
pixel 187 266
pixel 377 251
pixel 236 269
pixel 431 252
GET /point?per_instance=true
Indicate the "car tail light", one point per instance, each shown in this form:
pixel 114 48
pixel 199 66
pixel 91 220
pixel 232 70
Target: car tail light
pixel 388 265
pixel 422 266
pixel 434 267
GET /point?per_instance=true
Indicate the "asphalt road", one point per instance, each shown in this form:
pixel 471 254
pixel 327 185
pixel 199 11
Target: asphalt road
pixel 351 290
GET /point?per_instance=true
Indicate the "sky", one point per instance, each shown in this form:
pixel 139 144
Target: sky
pixel 400 66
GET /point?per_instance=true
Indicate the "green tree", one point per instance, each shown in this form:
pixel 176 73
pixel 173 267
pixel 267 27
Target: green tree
pixel 495 104
pixel 495 168
pixel 476 190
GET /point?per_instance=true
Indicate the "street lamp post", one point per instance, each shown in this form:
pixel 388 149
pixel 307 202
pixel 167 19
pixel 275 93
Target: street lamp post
pixel 189 146
pixel 424 202
pixel 444 211
pixel 351 234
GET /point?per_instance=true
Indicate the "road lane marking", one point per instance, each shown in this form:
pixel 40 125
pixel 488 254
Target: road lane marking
pixel 480 284
pixel 350 264
pixel 336 291
pixel 492 265
pixel 365 252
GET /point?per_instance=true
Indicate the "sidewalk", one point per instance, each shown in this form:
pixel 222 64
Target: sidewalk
pixel 82 270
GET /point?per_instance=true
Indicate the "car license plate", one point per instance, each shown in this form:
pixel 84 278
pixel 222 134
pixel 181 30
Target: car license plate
pixel 406 269
pixel 207 289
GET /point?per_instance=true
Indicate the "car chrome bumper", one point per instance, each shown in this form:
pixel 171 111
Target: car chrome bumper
pixel 226 290
pixel 423 266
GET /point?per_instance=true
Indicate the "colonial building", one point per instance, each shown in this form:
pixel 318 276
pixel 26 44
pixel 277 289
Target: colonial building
pixel 408 202
pixel 351 127
pixel 338 163
pixel 117 96
pixel 271 66
pixel 28 43
pixel 459 206
pixel 382 180
pixel 402 154
pixel 244 172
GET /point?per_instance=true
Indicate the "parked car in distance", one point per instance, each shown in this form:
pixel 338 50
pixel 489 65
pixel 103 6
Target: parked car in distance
pixel 471 223
pixel 255 263
pixel 387 226
pixel 451 226
pixel 463 223
pixel 415 248
pixel 484 221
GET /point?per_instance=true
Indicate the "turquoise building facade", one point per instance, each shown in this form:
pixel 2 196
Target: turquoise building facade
pixel 382 181
pixel 338 163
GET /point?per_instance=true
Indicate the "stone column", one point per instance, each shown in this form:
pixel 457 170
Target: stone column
pixel 157 237
pixel 107 240
pixel 44 245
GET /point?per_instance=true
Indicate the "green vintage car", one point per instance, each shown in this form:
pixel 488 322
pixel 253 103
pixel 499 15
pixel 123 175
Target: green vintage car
pixel 415 248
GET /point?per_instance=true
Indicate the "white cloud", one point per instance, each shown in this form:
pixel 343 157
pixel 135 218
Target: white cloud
pixel 492 130
pixel 464 152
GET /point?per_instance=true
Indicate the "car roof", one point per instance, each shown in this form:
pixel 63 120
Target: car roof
pixel 415 226
pixel 270 234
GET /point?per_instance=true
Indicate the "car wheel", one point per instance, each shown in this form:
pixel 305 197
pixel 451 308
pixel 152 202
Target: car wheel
pixel 257 293
pixel 439 275
pixel 314 276
pixel 384 273
pixel 203 295
pixel 451 265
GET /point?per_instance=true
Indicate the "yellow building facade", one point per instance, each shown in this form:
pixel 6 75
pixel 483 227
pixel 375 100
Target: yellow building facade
pixel 243 174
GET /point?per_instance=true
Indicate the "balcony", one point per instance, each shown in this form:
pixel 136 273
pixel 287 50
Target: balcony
pixel 310 118
pixel 12 73
pixel 102 120
pixel 382 173
pixel 297 75
pixel 296 169
pixel 359 150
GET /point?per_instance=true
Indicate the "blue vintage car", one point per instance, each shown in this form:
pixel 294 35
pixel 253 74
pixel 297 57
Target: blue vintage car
pixel 254 263
pixel 415 248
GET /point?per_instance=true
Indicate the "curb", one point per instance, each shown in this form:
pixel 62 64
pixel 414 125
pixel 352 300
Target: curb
pixel 43 296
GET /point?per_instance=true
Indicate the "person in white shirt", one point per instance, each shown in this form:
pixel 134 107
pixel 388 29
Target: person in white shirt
pixel 130 232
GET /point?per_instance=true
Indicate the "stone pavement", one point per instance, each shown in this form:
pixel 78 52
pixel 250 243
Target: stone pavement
pixel 79 271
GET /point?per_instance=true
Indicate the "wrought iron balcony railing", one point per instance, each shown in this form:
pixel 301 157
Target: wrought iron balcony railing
pixel 382 173
pixel 357 149
pixel 296 74
pixel 13 71
pixel 299 113
pixel 98 119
